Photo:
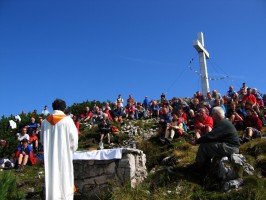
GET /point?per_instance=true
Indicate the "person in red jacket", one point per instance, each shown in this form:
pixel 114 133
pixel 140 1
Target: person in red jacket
pixel 130 111
pixel 203 123
pixel 250 97
pixel 77 123
pixel 252 126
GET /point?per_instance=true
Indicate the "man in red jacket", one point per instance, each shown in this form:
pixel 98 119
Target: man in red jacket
pixel 203 123
pixel 250 97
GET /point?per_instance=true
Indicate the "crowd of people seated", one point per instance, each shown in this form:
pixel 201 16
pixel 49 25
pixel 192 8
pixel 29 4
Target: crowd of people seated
pixel 244 108
pixel 27 139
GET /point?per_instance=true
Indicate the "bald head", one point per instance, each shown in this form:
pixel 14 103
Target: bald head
pixel 217 113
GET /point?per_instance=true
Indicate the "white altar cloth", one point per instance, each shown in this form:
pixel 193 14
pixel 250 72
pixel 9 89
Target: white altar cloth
pixel 105 154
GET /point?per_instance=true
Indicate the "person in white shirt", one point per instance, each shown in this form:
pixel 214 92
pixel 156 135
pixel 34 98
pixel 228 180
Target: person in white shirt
pixel 45 111
pixel 23 135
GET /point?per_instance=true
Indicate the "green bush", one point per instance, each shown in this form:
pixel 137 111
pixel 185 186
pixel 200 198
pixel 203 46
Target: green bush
pixel 8 187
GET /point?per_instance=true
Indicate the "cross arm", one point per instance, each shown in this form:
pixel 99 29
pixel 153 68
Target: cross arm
pixel 198 46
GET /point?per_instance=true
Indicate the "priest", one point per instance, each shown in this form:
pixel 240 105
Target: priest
pixel 59 137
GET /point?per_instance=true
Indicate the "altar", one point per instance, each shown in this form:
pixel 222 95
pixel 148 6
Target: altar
pixel 104 154
pixel 96 169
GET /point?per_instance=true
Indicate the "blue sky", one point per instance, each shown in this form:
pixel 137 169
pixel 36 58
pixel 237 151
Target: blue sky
pixel 96 49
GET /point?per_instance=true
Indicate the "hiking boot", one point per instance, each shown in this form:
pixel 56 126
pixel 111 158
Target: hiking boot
pixel 22 167
pixel 195 169
pixel 18 169
pixel 246 139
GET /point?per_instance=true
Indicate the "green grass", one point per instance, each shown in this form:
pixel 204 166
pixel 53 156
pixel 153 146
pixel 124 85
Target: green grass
pixel 8 186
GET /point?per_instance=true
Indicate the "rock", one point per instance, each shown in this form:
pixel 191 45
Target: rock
pixel 241 160
pixel 226 174
pixel 233 184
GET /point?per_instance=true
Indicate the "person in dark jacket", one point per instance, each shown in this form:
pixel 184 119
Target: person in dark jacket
pixel 223 140
pixel 105 127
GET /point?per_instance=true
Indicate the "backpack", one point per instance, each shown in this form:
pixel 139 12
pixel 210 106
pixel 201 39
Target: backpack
pixel 6 164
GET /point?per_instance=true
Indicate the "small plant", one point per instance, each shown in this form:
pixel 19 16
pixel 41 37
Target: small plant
pixel 8 186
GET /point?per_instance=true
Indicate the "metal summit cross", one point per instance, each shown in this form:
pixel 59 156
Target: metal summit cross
pixel 203 55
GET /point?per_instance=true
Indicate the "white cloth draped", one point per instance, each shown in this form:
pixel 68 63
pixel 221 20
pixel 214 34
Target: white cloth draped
pixel 12 124
pixel 105 154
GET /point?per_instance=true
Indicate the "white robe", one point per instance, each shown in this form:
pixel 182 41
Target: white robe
pixel 59 142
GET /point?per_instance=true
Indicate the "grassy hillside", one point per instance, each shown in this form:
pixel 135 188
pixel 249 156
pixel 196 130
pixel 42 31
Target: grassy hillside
pixel 166 180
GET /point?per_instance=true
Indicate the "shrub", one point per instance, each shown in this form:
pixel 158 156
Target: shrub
pixel 8 187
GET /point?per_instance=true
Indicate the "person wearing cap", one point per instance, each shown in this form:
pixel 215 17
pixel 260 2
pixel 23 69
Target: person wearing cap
pixel 59 137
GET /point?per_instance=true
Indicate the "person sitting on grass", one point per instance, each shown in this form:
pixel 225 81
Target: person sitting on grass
pixel 235 116
pixel 221 141
pixel 164 122
pixel 105 127
pixel 130 111
pixel 116 125
pixel 154 109
pixel 252 126
pixel 33 141
pixel 175 126
pixel 23 154
pixel 140 111
pixel 32 124
pixel 88 114
pixel 97 116
pixel 203 123
pixel 118 111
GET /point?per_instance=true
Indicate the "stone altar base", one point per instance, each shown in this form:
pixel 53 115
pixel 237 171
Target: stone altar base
pixel 93 178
